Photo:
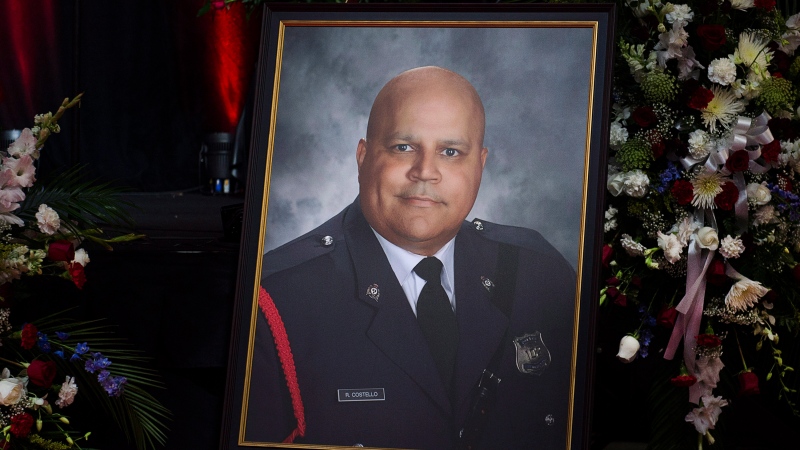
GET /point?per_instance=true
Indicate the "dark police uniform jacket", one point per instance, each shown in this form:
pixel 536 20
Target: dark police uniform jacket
pixel 343 336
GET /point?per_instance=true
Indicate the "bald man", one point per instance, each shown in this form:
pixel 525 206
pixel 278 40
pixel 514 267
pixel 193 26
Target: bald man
pixel 410 327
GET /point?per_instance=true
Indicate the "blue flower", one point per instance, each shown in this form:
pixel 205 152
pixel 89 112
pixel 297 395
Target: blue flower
pixel 59 353
pixel 89 366
pixel 81 348
pixel 669 174
pixel 61 335
pixel 43 343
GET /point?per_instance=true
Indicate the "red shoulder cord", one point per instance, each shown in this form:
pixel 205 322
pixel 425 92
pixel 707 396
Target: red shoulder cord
pixel 287 361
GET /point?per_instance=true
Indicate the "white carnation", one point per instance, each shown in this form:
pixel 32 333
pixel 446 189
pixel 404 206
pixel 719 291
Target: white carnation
pixel 731 247
pixel 632 247
pixel 619 135
pixel 722 71
pixel 636 183
pixel 47 219
pixel 699 144
pixel 763 215
pixel 81 257
pixel 671 246
pixel 681 14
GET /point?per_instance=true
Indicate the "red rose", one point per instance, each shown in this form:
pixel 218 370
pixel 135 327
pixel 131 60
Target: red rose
pixel 715 275
pixel 771 151
pixel 768 5
pixel 30 334
pixel 783 129
pixel 77 274
pixel 712 37
pixel 636 281
pixel 748 384
pixel 708 340
pixel 612 292
pixel 726 199
pixel 21 425
pixel 613 281
pixel 739 161
pixel 700 98
pixel 770 297
pixel 658 148
pixel 61 251
pixel 644 116
pixel 667 316
pixel 780 61
pixel 796 273
pixel 683 191
pixel 683 380
pixel 621 300
pixel 608 255
pixel 42 373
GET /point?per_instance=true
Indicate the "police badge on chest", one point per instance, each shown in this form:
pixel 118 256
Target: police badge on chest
pixel 532 355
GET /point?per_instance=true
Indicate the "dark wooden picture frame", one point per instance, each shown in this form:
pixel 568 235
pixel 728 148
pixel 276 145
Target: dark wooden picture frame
pixel 571 120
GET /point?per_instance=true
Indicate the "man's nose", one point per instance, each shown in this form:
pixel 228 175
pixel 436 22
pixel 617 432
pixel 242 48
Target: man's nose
pixel 425 167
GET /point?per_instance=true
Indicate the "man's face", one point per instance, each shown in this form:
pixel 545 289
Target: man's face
pixel 420 169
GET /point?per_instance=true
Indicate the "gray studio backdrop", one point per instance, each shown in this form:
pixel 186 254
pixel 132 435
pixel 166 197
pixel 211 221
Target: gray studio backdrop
pixel 534 83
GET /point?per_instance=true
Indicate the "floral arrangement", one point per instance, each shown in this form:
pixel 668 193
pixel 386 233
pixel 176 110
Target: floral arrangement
pixel 702 227
pixel 53 359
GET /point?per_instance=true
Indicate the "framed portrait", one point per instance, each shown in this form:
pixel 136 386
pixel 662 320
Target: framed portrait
pixel 389 139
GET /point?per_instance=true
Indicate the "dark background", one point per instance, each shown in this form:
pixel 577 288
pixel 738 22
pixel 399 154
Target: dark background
pixel 156 80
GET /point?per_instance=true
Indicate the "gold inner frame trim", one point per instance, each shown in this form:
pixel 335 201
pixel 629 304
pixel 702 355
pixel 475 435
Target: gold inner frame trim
pixel 593 24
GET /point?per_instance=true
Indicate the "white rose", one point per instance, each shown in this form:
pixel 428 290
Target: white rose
pixel 758 193
pixel 671 245
pixel 707 238
pixel 11 391
pixel 628 348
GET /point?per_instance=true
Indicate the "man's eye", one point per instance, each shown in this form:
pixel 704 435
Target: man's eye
pixel 403 147
pixel 450 152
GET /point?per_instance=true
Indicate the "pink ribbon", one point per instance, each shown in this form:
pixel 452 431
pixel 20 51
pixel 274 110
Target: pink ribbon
pixel 690 308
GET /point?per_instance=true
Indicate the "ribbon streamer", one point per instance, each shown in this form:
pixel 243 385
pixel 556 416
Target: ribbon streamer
pixel 690 308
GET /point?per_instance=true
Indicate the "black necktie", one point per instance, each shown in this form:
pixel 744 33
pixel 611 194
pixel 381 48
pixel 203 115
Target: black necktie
pixel 436 318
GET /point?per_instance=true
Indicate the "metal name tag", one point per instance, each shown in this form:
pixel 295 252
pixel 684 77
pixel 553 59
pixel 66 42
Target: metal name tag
pixel 532 355
pixel 361 395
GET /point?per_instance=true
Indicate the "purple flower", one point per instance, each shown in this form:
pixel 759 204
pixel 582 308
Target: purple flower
pixel 61 335
pixel 103 376
pixel 114 385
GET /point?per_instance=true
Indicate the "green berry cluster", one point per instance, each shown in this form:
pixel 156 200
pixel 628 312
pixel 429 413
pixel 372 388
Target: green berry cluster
pixel 777 94
pixel 659 87
pixel 635 154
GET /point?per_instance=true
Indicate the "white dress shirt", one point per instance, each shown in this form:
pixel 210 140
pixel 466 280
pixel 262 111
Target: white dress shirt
pixel 403 263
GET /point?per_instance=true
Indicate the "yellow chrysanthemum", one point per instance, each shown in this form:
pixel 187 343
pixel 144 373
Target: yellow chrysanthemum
pixel 722 109
pixel 706 186
pixel 752 52
pixel 744 294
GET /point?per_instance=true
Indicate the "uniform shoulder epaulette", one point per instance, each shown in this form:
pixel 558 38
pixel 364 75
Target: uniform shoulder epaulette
pixel 508 234
pixel 315 243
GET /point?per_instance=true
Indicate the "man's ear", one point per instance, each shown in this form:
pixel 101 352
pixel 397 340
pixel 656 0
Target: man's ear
pixel 484 152
pixel 361 152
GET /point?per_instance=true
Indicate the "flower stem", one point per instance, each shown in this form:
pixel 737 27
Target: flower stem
pixel 12 362
pixel 736 333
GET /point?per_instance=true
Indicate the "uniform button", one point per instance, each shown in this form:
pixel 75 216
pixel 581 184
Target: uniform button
pixel 478 224
pixel 327 241
pixel 549 419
